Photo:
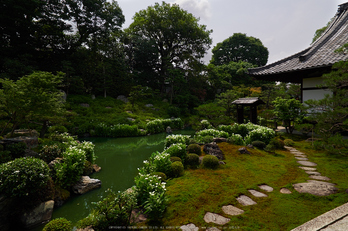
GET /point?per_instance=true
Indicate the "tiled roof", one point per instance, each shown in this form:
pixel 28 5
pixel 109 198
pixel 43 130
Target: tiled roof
pixel 320 54
pixel 248 101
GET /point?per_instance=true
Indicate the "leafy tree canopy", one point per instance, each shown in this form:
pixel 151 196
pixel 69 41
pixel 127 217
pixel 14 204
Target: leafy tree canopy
pixel 240 47
pixel 177 38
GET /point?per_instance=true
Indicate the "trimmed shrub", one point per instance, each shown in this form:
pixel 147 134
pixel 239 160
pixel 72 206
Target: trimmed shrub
pixel 118 130
pixel 259 144
pixel 178 150
pixel 235 139
pixel 177 169
pixel 175 158
pixel 58 224
pixel 23 177
pixel 212 132
pixel 176 139
pixel 194 148
pixel 160 175
pixel 204 139
pixel 270 148
pixel 52 151
pixel 289 142
pixel 211 162
pixel 277 143
pixel 192 160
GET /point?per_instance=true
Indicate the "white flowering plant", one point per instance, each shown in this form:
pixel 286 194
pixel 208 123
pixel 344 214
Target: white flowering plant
pixel 175 139
pixel 178 150
pixel 212 132
pixel 88 148
pixel 236 139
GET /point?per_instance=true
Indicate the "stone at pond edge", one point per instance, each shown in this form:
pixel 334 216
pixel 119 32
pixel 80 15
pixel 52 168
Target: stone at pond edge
pixel 285 191
pixel 96 168
pixel 40 214
pixel 137 216
pixel 189 227
pixel 232 211
pixel 316 188
pixel 215 218
pixel 86 184
pixel 214 150
pixel 243 150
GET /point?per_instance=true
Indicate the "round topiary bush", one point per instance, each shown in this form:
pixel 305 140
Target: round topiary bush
pixel 192 160
pixel 178 150
pixel 289 142
pixel 23 176
pixel 177 169
pixel 161 175
pixel 258 144
pixel 277 143
pixel 211 162
pixel 58 224
pixel 175 159
pixel 194 148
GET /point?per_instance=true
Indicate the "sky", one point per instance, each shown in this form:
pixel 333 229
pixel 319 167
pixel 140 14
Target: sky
pixel 285 27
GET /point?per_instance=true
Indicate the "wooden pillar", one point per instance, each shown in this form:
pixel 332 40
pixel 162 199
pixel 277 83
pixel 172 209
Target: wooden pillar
pixel 253 114
pixel 240 114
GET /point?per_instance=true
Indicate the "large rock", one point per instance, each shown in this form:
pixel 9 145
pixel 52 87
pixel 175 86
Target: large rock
pixel 39 215
pixel 219 140
pixel 214 150
pixel 86 184
pixel 243 150
pixel 317 188
pixel 123 98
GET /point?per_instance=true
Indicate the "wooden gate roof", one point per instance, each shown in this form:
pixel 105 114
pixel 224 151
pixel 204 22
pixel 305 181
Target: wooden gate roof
pixel 320 55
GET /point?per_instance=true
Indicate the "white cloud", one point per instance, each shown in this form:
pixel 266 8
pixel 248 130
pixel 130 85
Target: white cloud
pixel 199 8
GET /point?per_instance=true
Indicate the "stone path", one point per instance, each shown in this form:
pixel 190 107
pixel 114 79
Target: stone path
pixel 318 185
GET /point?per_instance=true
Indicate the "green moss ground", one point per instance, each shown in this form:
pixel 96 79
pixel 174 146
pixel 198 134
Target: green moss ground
pixel 202 190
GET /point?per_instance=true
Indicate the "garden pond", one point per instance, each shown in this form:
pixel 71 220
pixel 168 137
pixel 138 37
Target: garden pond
pixel 119 159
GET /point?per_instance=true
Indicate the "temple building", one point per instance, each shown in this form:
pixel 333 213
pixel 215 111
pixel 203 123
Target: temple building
pixel 307 67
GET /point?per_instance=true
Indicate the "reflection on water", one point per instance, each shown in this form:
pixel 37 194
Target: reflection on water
pixel 119 159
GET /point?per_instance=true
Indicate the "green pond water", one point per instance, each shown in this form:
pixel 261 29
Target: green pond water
pixel 119 159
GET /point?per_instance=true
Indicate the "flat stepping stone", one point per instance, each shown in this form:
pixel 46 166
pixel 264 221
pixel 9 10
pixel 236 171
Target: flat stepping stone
pixel 307 168
pixel 320 177
pixel 313 173
pixel 246 201
pixel 257 193
pixel 231 210
pixel 301 158
pixel 300 155
pixel 189 227
pixel 321 182
pixel 317 188
pixel 285 191
pixel 213 229
pixel 306 163
pixel 266 188
pixel 215 218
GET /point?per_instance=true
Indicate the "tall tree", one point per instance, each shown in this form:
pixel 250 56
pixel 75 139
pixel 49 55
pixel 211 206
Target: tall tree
pixel 178 41
pixel 240 47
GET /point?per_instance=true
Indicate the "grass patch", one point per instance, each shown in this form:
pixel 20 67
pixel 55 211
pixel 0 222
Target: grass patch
pixel 203 190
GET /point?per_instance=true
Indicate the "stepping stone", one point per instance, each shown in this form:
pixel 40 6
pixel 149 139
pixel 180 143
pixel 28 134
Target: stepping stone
pixel 189 227
pixel 320 177
pixel 306 163
pixel 231 210
pixel 285 191
pixel 300 155
pixel 257 193
pixel 301 158
pixel 313 173
pixel 244 200
pixel 266 188
pixel 307 168
pixel 213 229
pixel 215 218
pixel 317 188
pixel 321 182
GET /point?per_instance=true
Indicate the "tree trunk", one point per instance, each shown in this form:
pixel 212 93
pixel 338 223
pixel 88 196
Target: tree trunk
pixel 44 128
